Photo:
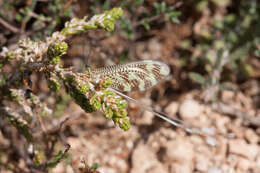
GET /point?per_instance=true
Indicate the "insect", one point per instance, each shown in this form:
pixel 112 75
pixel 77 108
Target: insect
pixel 134 76
pixel 140 75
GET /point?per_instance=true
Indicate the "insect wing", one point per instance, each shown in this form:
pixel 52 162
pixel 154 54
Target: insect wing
pixel 134 76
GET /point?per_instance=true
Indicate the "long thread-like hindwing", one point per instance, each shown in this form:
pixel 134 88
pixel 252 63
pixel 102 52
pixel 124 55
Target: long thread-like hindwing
pixel 139 75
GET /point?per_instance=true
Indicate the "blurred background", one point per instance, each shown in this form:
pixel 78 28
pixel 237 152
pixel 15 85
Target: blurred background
pixel 213 50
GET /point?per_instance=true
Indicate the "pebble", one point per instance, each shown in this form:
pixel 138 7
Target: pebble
pixel 202 163
pixel 172 109
pixel 244 164
pixel 190 109
pixel 240 147
pixel 251 136
pixel 180 150
pixel 215 170
pixel 185 168
pixel 147 118
pixel 144 160
pixel 227 95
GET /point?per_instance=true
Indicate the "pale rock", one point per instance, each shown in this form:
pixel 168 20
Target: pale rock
pixel 182 168
pixel 236 129
pixel 221 122
pixel 69 169
pixel 189 109
pixel 245 100
pixel 158 168
pixel 258 163
pixel 168 132
pixel 232 160
pixel 202 163
pixel 221 150
pixel 227 169
pixel 147 118
pixel 180 150
pixel 256 169
pixel 21 164
pixel 172 109
pixel 203 149
pixel 227 95
pixel 121 164
pixel 197 140
pixel 215 170
pixel 251 136
pixel 211 141
pixel 154 48
pixel 74 143
pixel 145 102
pixel 59 168
pixel 244 164
pixel 104 169
pixel 144 160
pixel 129 144
pixel 240 147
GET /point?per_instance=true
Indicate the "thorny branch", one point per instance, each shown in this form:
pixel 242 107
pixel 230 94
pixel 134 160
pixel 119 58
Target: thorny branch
pixel 213 86
pixel 9 26
pixel 44 57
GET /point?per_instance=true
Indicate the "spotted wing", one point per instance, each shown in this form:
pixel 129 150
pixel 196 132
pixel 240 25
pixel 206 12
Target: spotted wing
pixel 133 76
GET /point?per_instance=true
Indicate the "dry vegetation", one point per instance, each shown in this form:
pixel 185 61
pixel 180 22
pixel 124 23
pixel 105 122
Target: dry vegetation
pixel 213 50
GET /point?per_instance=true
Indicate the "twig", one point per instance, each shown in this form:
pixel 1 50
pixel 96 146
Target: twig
pixel 34 15
pixel 213 86
pixel 49 164
pixel 60 157
pixel 16 120
pixel 28 17
pixel 9 26
pixel 56 127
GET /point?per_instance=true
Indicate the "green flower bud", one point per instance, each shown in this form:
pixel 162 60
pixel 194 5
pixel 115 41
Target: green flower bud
pixel 95 102
pixel 55 51
pixel 106 83
pixel 124 124
pixel 54 85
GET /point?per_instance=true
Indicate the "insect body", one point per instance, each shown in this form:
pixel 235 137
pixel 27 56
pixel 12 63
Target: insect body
pixel 133 76
pixel 140 76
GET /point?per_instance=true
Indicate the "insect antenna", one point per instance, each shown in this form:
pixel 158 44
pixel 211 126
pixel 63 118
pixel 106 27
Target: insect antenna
pixel 206 133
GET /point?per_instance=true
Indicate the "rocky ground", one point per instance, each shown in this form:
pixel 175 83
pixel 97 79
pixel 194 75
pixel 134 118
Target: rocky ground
pixel 151 145
pixel 154 146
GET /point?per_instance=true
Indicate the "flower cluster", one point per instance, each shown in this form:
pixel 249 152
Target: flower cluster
pixel 92 96
pixel 44 56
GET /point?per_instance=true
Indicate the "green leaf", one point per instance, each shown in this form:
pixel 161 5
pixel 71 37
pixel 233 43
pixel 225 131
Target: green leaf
pixel 18 17
pixel 126 25
pixel 173 16
pixel 257 53
pixel 146 25
pixel 59 157
pixel 197 78
pixel 157 7
pixel 163 7
pixel 95 166
pixel 94 10
pixel 218 24
pixel 106 5
pixel 138 2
